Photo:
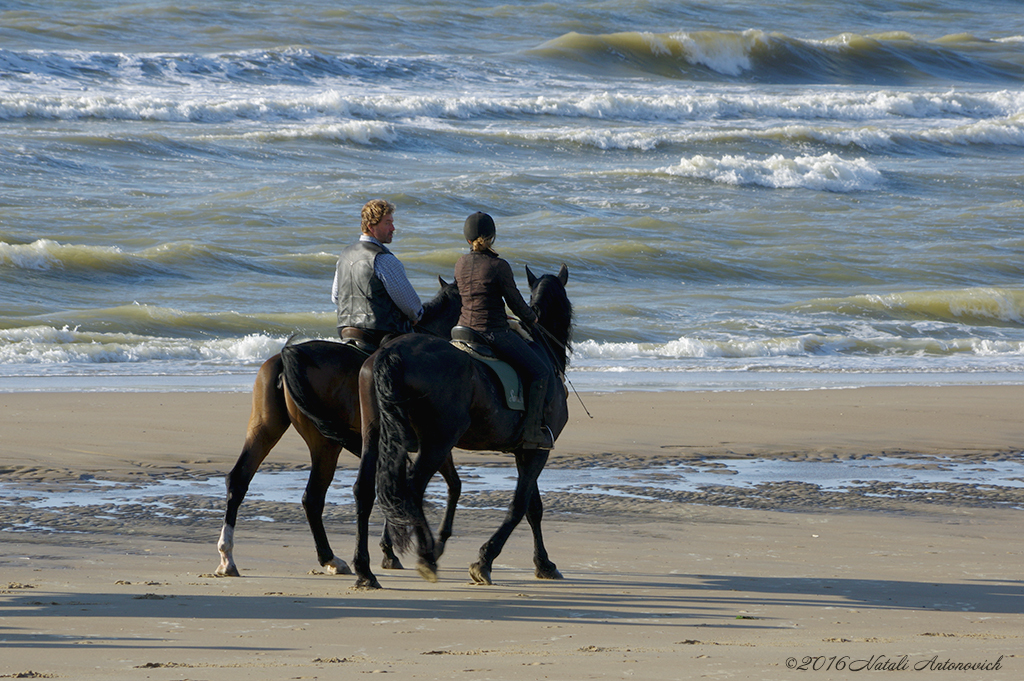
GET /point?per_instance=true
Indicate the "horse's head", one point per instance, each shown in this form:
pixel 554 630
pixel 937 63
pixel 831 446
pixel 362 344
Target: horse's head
pixel 554 311
pixel 441 312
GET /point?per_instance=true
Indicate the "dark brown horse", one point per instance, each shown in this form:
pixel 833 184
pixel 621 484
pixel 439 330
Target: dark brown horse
pixel 320 397
pixel 420 389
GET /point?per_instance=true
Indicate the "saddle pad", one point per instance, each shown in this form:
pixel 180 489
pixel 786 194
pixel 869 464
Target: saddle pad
pixel 512 386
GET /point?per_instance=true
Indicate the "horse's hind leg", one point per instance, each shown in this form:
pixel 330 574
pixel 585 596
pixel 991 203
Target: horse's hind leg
pixel 451 476
pixel 390 561
pixel 529 462
pixel 430 459
pixel 268 421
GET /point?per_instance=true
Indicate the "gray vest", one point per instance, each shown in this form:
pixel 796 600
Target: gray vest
pixel 363 301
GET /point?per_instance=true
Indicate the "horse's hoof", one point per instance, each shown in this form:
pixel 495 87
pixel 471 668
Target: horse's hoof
pixel 549 572
pixel 367 584
pixel 336 566
pixel 428 571
pixel 391 563
pixel 480 574
pixel 227 571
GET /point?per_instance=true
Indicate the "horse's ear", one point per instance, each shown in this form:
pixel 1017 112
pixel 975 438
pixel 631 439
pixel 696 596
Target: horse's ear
pixel 563 274
pixel 529 277
pixel 441 281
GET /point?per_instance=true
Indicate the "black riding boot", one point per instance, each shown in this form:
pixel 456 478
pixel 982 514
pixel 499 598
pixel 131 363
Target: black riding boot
pixel 535 434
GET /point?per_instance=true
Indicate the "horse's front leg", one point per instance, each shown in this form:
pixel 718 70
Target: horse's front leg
pixel 365 488
pixel 325 461
pixel 545 569
pixel 529 462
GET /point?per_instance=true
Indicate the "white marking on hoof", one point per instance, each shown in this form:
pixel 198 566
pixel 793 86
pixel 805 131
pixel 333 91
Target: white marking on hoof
pixel 336 566
pixel 226 545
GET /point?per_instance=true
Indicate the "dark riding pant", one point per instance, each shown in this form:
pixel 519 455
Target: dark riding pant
pixel 510 346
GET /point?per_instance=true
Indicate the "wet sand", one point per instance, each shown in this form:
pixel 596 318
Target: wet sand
pixel 720 583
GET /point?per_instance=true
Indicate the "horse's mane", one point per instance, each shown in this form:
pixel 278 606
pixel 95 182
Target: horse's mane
pixel 445 297
pixel 554 314
pixel 441 312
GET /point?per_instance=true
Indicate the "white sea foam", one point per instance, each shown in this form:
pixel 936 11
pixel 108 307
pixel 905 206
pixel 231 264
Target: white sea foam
pixel 1006 131
pixel 359 132
pixel 50 345
pixel 728 53
pixel 287 104
pixel 866 341
pixel 824 173
pixel 42 345
pixel 600 138
pixel 874 138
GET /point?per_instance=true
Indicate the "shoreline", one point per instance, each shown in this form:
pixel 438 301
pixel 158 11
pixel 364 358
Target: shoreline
pixel 203 431
pixel 583 381
pixel 654 588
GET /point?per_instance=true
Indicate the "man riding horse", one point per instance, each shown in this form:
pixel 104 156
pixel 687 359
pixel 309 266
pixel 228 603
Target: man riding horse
pixel 372 292
pixel 321 398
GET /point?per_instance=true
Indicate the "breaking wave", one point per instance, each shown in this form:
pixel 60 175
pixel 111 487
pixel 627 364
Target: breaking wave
pixel 823 173
pixel 764 57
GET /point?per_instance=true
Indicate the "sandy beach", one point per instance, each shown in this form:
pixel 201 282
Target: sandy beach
pixel 787 580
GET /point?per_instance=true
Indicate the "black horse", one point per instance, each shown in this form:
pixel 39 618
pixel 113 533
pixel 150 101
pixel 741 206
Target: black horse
pixel 423 392
pixel 314 386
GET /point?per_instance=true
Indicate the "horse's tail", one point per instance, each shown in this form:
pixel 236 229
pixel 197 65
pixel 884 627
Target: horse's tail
pixel 296 360
pixel 393 493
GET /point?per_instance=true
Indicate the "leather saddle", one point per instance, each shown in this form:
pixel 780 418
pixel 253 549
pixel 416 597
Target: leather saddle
pixel 475 345
pixel 363 340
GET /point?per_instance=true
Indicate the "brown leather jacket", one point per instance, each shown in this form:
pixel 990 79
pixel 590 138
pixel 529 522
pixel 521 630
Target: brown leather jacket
pixel 486 285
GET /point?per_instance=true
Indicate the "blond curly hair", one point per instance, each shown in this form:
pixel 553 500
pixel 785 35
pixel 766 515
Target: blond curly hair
pixel 374 211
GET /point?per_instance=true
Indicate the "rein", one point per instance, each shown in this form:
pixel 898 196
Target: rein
pixel 550 337
pixel 428 332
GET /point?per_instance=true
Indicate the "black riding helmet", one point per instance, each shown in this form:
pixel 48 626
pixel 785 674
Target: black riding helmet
pixel 478 225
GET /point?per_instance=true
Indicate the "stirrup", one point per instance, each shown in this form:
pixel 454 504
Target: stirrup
pixel 548 441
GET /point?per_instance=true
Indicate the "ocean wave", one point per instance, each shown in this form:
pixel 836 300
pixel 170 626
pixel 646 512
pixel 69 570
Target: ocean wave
pixel 1007 131
pixel 759 56
pixel 349 111
pixel 154 321
pixel 287 66
pixel 873 138
pixel 171 259
pixel 51 345
pixel 828 172
pixel 752 55
pixel 45 254
pixel 594 354
pixel 358 132
pixel 971 306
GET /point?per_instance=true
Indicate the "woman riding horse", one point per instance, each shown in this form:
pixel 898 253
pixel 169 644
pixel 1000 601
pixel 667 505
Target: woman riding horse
pixel 486 284
pixel 422 393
